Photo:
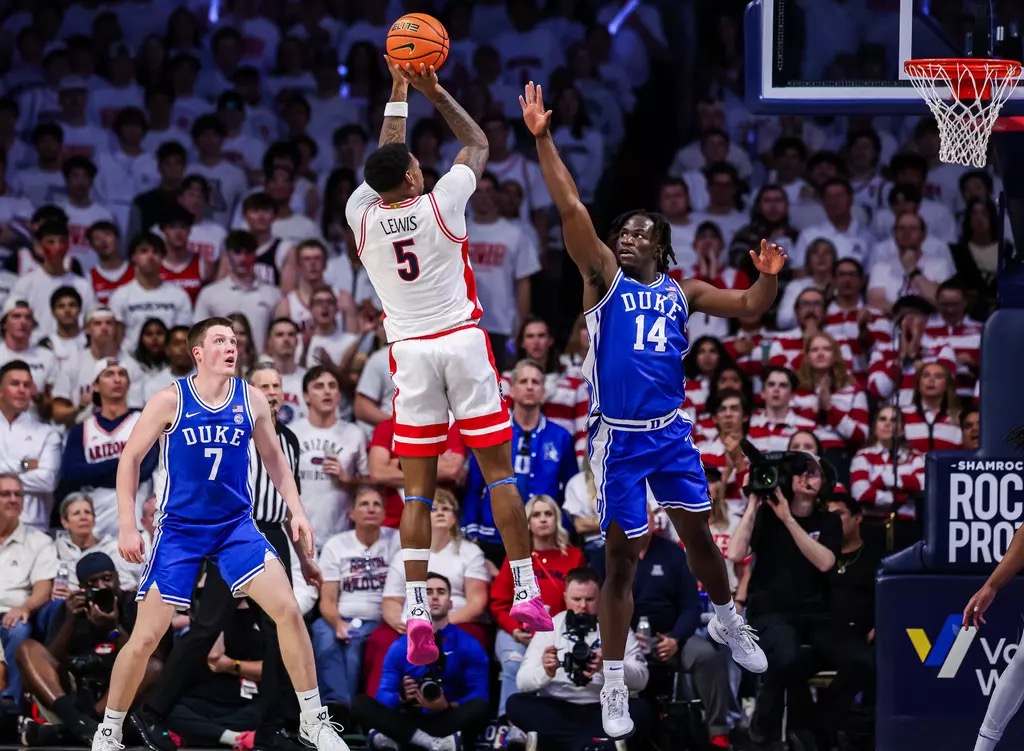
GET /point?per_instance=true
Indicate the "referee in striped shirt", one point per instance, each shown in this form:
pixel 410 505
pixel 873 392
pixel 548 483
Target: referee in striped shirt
pixel 215 606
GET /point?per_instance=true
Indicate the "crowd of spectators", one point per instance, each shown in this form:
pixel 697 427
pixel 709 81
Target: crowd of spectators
pixel 164 162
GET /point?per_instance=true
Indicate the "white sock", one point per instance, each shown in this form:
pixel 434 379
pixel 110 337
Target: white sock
pixel 614 673
pixel 113 717
pixel 423 740
pixel 309 701
pixel 726 613
pixel 228 737
pixel 523 579
pixel 416 600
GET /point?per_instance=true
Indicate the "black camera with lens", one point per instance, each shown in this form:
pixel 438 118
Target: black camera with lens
pixel 431 685
pixel 576 659
pixel 103 599
pixel 775 470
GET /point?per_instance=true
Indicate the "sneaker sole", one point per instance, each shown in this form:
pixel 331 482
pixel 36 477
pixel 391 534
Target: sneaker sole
pixel 421 647
pixel 627 736
pixel 714 634
pixel 532 619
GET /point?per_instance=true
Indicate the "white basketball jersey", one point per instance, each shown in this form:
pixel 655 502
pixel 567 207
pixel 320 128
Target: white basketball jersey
pixel 416 255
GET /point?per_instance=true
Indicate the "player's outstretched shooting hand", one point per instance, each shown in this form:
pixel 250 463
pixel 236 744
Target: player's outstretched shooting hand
pixel 974 613
pixel 129 545
pixel 770 260
pixel 302 532
pixel 421 77
pixel 534 114
pixel 397 76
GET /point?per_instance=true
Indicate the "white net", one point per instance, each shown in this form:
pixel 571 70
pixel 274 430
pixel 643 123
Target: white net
pixel 966 100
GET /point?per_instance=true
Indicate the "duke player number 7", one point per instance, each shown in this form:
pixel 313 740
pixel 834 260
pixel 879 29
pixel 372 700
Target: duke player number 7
pixel 217 455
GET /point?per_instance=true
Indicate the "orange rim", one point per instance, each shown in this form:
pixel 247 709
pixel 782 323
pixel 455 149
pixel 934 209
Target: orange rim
pixel 964 72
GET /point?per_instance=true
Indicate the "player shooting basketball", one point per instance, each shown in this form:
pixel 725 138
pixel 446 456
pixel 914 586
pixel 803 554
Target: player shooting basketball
pixel 636 316
pixel 415 252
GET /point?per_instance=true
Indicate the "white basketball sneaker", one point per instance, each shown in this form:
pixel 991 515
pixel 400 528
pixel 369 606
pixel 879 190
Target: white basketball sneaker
pixel 316 728
pixel 615 711
pixel 107 738
pixel 742 640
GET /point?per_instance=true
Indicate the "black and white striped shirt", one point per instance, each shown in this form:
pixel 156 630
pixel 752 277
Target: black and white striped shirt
pixel 268 505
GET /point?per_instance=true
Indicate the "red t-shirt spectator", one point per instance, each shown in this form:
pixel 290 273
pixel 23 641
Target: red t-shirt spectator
pixel 384 436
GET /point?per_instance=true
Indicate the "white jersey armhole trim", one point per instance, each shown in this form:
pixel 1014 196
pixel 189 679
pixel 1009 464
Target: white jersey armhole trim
pixel 440 222
pixel 607 295
pixel 362 229
pixel 177 413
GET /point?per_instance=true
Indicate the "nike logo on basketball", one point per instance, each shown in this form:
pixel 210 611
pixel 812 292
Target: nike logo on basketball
pixel 408 46
pixel 193 414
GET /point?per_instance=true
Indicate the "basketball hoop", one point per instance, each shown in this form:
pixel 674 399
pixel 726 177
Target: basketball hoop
pixel 965 95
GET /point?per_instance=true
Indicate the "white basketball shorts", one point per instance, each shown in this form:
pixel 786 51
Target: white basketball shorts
pixel 450 371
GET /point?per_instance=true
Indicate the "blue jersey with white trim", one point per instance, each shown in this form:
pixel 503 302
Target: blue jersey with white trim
pixel 637 343
pixel 204 458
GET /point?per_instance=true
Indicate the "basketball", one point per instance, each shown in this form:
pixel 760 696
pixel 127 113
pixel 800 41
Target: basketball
pixel 418 38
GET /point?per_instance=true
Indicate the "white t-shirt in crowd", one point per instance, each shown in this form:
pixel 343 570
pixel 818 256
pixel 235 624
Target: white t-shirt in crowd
pixel 359 570
pixel 41 361
pixel 579 502
pixel 501 253
pixel 527 174
pixel 376 385
pixel 458 560
pixel 36 288
pixel 227 296
pixel 227 186
pixel 327 503
pixel 134 305
pixel 80 218
pixel 293 404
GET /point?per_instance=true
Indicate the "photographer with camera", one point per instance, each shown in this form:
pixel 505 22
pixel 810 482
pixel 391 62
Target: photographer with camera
pixel 794 540
pixel 93 625
pixel 560 678
pixel 432 706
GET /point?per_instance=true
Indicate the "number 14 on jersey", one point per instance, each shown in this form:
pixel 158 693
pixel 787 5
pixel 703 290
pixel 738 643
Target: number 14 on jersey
pixel 655 335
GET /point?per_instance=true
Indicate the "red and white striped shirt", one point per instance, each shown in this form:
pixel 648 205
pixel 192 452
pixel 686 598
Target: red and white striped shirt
pixel 872 476
pixel 844 425
pixel 930 431
pixel 751 363
pixel 696 396
pixel 712 454
pixel 883 366
pixel 773 435
pixel 566 403
pixel 963 338
pixel 787 350
pixel 844 327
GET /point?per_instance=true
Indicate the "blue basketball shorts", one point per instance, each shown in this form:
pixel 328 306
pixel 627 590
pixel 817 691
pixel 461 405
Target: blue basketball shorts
pixel 628 455
pixel 179 548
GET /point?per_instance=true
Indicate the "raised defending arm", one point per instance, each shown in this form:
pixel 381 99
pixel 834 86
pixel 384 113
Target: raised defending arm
pixel 393 129
pixel 474 151
pixel 591 255
pixel 727 303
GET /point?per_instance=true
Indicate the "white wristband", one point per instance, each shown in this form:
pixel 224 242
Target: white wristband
pixel 396 109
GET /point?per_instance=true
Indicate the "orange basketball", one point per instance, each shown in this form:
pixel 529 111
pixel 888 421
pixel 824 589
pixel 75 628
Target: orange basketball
pixel 418 38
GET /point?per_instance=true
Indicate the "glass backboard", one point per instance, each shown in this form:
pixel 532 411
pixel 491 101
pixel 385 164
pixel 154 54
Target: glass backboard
pixel 840 56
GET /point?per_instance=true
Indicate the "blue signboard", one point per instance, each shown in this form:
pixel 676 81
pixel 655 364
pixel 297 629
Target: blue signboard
pixel 934 677
pixel 973 508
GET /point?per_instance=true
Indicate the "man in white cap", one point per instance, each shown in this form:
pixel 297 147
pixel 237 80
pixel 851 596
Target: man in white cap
pixel 72 393
pixel 93 448
pixel 17 323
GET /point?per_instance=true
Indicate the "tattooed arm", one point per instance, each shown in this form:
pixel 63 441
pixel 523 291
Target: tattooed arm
pixel 393 129
pixel 474 143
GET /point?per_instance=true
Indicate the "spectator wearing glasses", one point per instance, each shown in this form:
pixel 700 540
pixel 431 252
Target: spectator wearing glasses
pixel 29 559
pixel 543 458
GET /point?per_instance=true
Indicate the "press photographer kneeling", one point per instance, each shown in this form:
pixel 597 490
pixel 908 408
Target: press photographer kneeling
pixel 561 675
pixel 94 623
pixel 442 706
pixel 794 540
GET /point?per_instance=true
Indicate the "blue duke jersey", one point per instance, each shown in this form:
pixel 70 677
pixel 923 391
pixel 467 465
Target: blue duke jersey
pixel 204 499
pixel 204 457
pixel 637 343
pixel 638 437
